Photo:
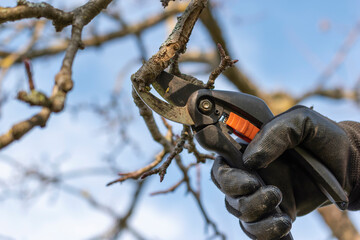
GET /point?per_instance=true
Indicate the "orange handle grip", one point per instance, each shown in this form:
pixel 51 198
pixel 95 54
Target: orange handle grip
pixel 242 127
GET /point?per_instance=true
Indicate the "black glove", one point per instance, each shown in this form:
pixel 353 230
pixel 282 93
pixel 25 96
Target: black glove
pixel 288 185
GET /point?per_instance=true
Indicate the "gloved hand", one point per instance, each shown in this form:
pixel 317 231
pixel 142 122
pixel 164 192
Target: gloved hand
pixel 288 185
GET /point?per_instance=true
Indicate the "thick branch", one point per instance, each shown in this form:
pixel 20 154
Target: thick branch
pixel 19 129
pixel 175 43
pixel 339 223
pixel 26 9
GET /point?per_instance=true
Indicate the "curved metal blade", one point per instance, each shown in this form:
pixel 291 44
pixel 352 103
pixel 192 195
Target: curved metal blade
pixel 173 89
pixel 168 111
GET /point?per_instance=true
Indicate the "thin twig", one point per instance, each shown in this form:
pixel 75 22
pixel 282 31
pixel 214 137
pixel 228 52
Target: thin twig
pixel 27 64
pixel 207 219
pixel 225 62
pixel 198 179
pixel 138 173
pixel 177 150
pixel 234 74
pixel 191 147
pixel 171 189
pixel 340 56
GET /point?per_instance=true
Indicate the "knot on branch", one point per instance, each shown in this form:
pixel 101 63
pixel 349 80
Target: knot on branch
pixel 165 3
pixel 143 85
pixel 63 80
pixel 30 4
pixel 58 101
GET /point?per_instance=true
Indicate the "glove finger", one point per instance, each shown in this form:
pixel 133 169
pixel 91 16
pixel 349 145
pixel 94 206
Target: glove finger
pixel 272 140
pixel 297 125
pixel 255 206
pixel 270 228
pixel 233 181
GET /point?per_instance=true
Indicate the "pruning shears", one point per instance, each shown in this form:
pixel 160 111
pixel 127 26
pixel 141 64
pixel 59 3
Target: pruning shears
pixel 215 115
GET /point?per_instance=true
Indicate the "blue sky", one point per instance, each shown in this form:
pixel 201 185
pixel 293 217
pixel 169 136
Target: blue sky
pixel 286 46
pixel 279 44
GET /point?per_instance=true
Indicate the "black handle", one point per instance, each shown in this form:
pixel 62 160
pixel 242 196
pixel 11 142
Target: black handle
pixel 257 112
pixel 322 176
pixel 212 138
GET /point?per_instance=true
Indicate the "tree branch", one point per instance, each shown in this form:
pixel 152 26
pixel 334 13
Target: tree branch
pixel 225 62
pixel 237 77
pixel 96 41
pixel 339 223
pixel 27 9
pixel 63 81
pixel 176 43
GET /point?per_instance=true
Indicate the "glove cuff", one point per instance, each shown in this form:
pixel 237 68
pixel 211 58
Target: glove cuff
pixel 352 130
